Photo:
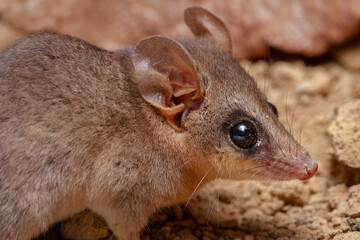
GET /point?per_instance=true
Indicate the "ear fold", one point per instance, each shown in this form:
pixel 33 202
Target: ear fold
pixel 205 24
pixel 167 78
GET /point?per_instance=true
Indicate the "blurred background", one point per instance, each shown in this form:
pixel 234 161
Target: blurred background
pixel 305 27
pixel 305 56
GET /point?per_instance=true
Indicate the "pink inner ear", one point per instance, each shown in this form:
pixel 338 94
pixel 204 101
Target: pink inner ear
pixel 182 83
pixel 188 79
pixel 185 89
pixel 186 96
pixel 182 79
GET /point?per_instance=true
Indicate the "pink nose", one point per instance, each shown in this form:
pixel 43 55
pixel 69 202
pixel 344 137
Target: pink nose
pixel 310 171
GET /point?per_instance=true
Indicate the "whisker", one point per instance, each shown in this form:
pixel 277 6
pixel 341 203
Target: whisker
pixel 182 165
pixel 287 109
pixel 282 176
pixel 262 171
pixel 302 125
pixel 212 208
pixel 192 194
pixel 268 180
pixel 268 71
pixel 213 190
pixel 216 200
pixel 276 142
pixel 299 137
pixel 247 170
pixel 232 200
pixel 289 149
pixel 228 171
pixel 293 114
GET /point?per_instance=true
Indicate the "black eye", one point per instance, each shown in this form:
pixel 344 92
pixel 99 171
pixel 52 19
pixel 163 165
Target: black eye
pixel 274 109
pixel 244 134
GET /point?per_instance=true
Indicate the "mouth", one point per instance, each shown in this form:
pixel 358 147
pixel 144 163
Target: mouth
pixel 310 171
pixel 301 167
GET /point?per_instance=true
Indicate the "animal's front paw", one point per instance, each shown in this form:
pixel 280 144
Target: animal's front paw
pixel 189 208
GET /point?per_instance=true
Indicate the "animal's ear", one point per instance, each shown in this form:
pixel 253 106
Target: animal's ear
pixel 205 24
pixel 167 78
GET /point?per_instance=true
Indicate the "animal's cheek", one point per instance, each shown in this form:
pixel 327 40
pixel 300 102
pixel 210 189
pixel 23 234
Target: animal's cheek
pixel 235 165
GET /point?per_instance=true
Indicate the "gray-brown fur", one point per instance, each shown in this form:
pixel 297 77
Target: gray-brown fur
pixel 76 133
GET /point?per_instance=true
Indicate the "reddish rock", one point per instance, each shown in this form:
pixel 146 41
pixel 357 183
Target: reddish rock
pixel 349 56
pixel 8 35
pixel 296 26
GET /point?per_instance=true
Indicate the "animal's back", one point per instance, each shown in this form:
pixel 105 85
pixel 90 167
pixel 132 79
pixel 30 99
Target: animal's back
pixel 59 99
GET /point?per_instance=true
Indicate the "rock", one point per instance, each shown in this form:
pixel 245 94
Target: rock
pixel 347 236
pixel 52 234
pixel 226 197
pixel 235 234
pixel 356 86
pixel 304 27
pixel 8 35
pixel 186 234
pixel 349 55
pixel 345 134
pixel 184 224
pixel 316 83
pixel 271 207
pixel 146 237
pixel 249 237
pixel 158 220
pixel 84 226
pixel 354 224
pixel 354 201
pixel 209 235
pixel 284 72
pixel 294 193
pixel 228 223
pixel 336 195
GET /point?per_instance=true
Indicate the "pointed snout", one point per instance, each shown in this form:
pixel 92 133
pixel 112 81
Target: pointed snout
pixel 306 167
pixel 309 171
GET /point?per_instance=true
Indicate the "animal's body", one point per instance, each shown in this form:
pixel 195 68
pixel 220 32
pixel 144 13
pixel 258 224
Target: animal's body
pixel 125 133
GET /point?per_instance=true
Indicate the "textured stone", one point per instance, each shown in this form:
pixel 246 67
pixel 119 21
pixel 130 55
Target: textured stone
pixel 294 193
pixel 354 201
pixel 348 236
pixel 345 133
pixel 336 195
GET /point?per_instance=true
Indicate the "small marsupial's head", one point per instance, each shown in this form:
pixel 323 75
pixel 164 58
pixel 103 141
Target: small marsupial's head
pixel 214 106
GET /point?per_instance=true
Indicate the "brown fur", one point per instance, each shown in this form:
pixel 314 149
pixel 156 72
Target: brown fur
pixel 76 133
